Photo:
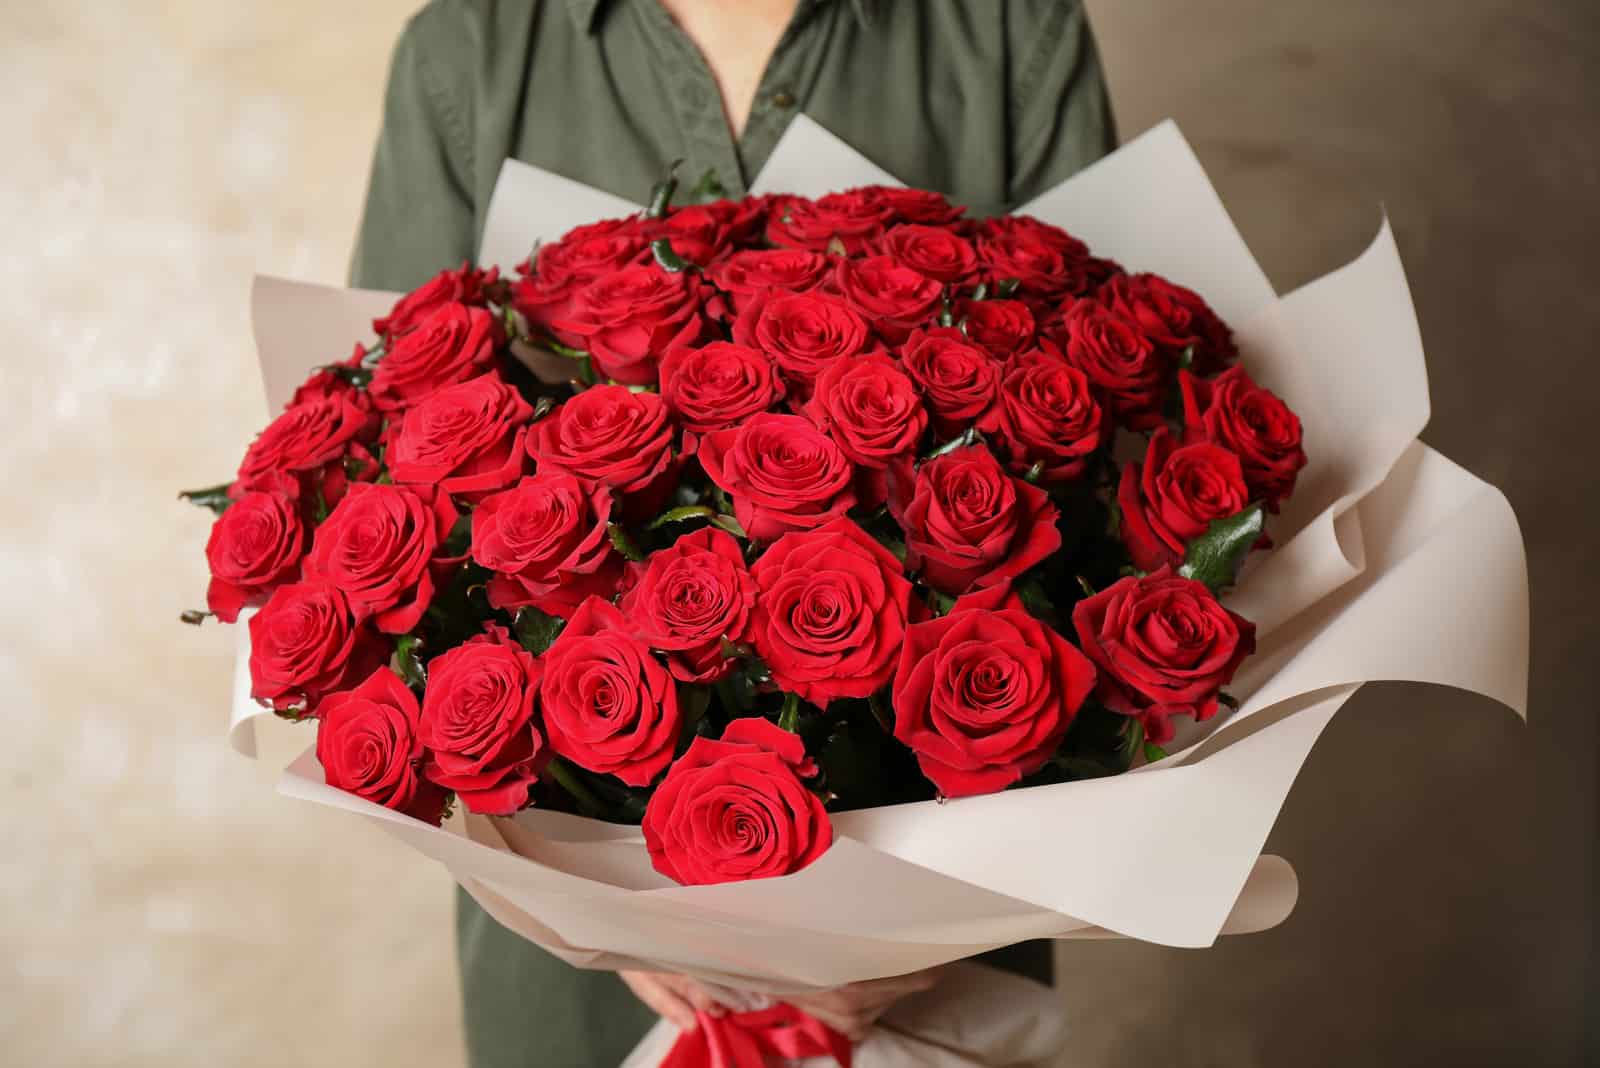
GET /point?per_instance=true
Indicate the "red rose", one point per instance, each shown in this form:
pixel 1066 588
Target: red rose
pixel 851 219
pixel 1171 497
pixel 609 705
pixel 932 251
pixel 255 547
pixel 831 612
pixel 306 642
pixel 690 596
pixel 958 378
pixel 1046 414
pixel 1001 326
pixel 893 298
pixel 450 344
pixel 376 547
pixel 627 319
pixel 704 233
pixel 551 280
pixel 466 439
pixel 870 408
pixel 1128 370
pixel 984 696
pixel 1250 422
pixel 751 271
pixel 546 541
pixel 611 436
pixel 325 381
pixel 464 285
pixel 718 384
pixel 782 473
pixel 478 722
pixel 1173 318
pixel 736 809
pixel 802 332
pixel 1165 646
pixel 968 524
pixel 312 449
pixel 917 205
pixel 1045 261
pixel 367 744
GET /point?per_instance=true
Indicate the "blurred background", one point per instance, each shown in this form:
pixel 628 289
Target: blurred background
pixel 159 905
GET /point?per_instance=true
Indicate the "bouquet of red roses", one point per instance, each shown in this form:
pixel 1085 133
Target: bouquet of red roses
pixel 730 539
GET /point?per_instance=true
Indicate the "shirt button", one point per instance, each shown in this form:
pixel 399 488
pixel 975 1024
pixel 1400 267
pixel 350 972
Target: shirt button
pixel 783 99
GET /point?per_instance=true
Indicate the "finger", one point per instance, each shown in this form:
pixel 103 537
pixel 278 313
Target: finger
pixel 657 995
pixel 696 994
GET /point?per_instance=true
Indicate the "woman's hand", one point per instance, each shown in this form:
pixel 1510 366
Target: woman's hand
pixel 852 1010
pixel 675 997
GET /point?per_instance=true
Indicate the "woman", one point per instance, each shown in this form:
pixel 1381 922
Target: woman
pixel 989 101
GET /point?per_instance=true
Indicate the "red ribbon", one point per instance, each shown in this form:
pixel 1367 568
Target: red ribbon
pixel 748 1039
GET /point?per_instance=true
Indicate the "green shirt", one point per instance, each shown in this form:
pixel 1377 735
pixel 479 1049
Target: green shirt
pixel 989 101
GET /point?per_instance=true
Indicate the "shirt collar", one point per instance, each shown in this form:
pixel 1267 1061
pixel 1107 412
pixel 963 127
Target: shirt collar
pixel 588 13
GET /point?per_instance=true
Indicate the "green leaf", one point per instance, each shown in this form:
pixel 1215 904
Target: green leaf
pixel 666 259
pixel 1006 287
pixel 355 376
pixel 881 711
pixel 1132 741
pixel 661 192
pixel 730 524
pixel 1215 556
pixel 709 187
pixel 980 291
pixel 836 247
pixel 408 660
pixel 623 543
pixel 940 603
pixel 193 616
pixel 679 515
pixel 459 539
pixel 1226 698
pixel 562 350
pixel 566 777
pixel 1033 474
pixel 1086 586
pixel 536 630
pixel 789 718
pixel 1186 357
pixel 1153 752
pixel 541 408
pixel 214 498
pixel 1038 603
pixel 969 436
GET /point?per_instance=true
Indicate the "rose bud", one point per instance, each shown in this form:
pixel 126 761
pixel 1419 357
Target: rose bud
pixel 1002 327
pixel 546 541
pixel 306 642
pixel 1165 646
pixel 932 251
pixel 872 410
pixel 367 744
pixel 255 547
pixel 687 598
pixel 1046 414
pixel 1250 422
pixel 1173 318
pixel 311 450
pixel 609 706
pixel 1045 261
pixel 478 722
pixel 984 695
pixel 958 378
pixel 611 436
pixel 718 384
pixel 802 333
pixel 892 297
pixel 831 612
pixel 968 524
pixel 1170 498
pixel 1121 363
pixel 467 439
pixel 853 219
pixel 451 344
pixel 749 272
pixel 627 319
pixel 782 473
pixel 377 546
pixel 736 808
pixel 465 285
pixel 551 281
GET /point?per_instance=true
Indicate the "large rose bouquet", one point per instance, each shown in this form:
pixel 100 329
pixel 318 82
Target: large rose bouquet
pixel 844 502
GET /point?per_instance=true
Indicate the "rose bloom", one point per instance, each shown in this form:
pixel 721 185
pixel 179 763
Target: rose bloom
pixel 917 205
pixel 782 473
pixel 367 744
pixel 451 344
pixel 464 285
pixel 1165 647
pixel 311 450
pixel 718 384
pixel 551 280
pixel 611 436
pixel 1173 318
pixel 968 524
pixel 748 272
pixel 1173 495
pixel 377 546
pixel 802 333
pixel 984 695
pixel 852 219
pixel 687 598
pixel 872 410
pixel 705 233
pixel 546 541
pixel 609 705
pixel 736 808
pixel 305 642
pixel 1128 370
pixel 934 251
pixel 466 439
pixel 893 298
pixel 255 547
pixel 1045 261
pixel 627 319
pixel 1046 414
pixel 324 382
pixel 958 379
pixel 1250 422
pixel 1002 327
pixel 479 722
pixel 831 612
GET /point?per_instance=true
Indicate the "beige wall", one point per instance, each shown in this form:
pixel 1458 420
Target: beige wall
pixel 162 907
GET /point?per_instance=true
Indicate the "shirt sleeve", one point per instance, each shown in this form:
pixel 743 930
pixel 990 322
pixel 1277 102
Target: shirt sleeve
pixel 1061 117
pixel 419 213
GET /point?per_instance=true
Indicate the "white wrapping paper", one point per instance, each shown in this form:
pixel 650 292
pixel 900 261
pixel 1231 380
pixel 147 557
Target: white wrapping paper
pixel 1391 563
